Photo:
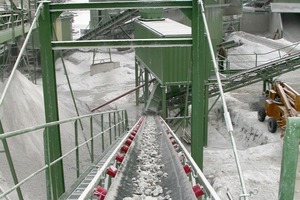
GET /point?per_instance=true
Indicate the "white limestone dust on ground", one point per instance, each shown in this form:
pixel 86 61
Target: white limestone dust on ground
pixel 259 150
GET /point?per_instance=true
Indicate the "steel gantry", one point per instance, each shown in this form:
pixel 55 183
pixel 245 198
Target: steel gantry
pixel 199 69
pixel 202 47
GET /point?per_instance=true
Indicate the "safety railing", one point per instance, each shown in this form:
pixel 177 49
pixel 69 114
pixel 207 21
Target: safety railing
pixel 246 61
pixel 100 185
pixel 103 179
pixel 12 19
pixel 98 133
pixel 22 51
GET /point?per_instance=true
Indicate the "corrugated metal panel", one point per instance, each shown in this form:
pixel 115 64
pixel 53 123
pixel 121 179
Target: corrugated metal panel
pixel 167 64
pixel 167 28
pixel 214 16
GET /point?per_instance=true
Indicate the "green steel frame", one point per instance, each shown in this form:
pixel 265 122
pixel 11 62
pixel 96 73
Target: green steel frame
pixel 52 140
pixel 199 68
pixel 199 101
pixel 200 72
pixel 289 159
pixel 55 174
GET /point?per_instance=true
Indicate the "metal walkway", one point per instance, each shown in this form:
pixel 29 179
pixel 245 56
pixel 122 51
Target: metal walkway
pixel 261 73
pixel 88 177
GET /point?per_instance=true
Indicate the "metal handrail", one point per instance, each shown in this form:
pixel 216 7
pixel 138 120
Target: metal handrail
pixel 116 123
pixel 291 50
pixel 41 126
pixel 294 44
pixel 90 188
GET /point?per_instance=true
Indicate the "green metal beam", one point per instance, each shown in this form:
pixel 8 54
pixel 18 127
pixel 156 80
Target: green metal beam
pixel 54 174
pixel 163 101
pixel 137 82
pixel 7 34
pixel 289 159
pixel 146 93
pixel 198 84
pixel 120 5
pixel 158 42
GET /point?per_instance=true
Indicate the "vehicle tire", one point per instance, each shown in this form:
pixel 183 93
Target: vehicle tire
pixel 272 125
pixel 261 114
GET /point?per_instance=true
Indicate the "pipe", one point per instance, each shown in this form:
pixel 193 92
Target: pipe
pixel 226 113
pixel 41 126
pixel 118 97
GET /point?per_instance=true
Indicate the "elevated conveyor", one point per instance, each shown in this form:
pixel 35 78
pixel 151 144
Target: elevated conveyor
pixel 256 74
pixel 148 162
pixel 105 28
pixel 243 78
pixel 152 168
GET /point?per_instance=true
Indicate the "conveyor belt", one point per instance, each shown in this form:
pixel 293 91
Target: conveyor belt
pixel 106 27
pixel 256 74
pixel 152 169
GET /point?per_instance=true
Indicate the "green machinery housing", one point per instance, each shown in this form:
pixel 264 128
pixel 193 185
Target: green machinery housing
pixel 171 66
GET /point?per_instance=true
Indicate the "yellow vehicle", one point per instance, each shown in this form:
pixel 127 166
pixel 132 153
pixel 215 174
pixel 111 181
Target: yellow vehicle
pixel 283 102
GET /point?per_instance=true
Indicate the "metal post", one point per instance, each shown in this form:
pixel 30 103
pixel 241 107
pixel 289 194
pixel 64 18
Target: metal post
pixel 163 102
pixel 53 140
pixel 255 60
pixel 77 149
pixel 10 163
pixel 102 132
pixel 146 87
pixel 92 139
pixel 22 17
pixel 289 159
pixel 109 125
pixel 123 124
pixel 206 74
pixel 115 127
pixel 198 62
pixel 137 92
pixel 264 86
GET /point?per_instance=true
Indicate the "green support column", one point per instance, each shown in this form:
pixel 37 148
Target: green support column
pixel 206 73
pixel 163 102
pixel 289 159
pixel 137 92
pixel 54 175
pixel 146 87
pixel 198 86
